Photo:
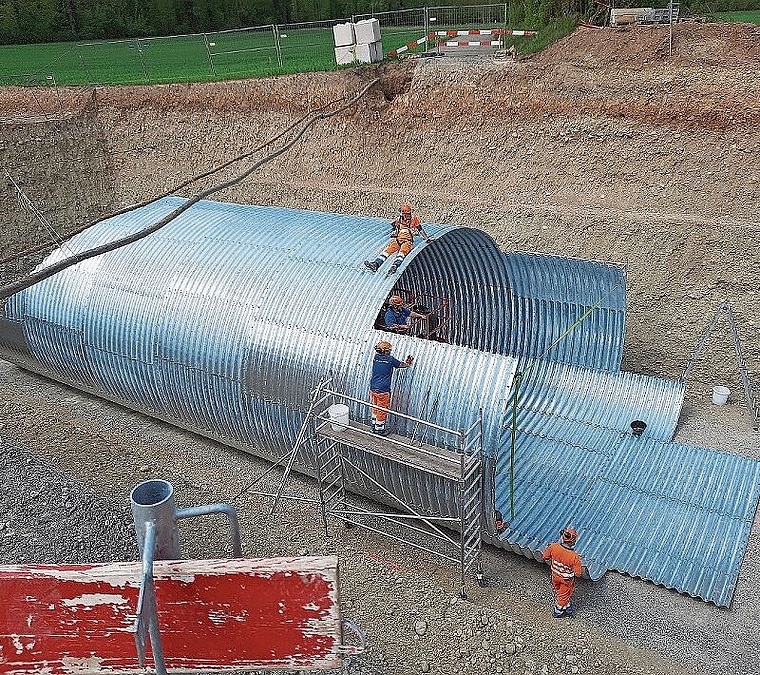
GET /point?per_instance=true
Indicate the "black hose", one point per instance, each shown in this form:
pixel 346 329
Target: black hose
pixel 35 277
pixel 41 247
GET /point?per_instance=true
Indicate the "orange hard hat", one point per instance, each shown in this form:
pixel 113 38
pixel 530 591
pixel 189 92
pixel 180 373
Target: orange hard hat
pixel 406 208
pixel 569 536
pixel 383 347
pixel 395 300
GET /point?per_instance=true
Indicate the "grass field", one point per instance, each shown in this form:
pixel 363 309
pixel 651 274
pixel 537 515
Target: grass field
pixel 221 56
pixel 746 16
pixel 256 52
pixel 249 53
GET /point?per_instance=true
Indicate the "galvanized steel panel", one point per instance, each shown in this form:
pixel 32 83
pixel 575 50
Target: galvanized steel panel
pixel 223 321
pixel 674 514
pixel 550 294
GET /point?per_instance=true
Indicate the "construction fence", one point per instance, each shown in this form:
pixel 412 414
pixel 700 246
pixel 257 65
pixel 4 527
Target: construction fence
pixel 249 52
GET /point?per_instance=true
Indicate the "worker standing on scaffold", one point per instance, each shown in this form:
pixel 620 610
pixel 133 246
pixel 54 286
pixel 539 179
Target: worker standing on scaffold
pixel 403 231
pixel 383 365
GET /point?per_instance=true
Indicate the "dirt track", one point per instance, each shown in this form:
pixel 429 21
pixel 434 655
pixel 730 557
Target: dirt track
pixel 603 147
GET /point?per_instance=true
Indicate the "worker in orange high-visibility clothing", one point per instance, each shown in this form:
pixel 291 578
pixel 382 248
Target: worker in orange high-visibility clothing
pixel 383 365
pixel 403 231
pixel 566 565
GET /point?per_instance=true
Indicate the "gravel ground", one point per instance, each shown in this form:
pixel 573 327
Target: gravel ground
pixel 70 460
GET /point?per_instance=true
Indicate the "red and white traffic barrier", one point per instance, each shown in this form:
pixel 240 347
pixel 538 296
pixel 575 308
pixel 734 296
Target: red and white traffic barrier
pixel 410 45
pixel 456 33
pixel 460 33
pixel 489 31
pixel 471 43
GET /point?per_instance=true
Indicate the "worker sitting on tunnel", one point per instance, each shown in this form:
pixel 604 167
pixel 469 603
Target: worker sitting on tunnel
pixel 403 231
pixel 397 316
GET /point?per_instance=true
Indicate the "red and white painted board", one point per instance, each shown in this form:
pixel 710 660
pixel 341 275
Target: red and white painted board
pixel 214 615
pixel 471 43
pixel 409 45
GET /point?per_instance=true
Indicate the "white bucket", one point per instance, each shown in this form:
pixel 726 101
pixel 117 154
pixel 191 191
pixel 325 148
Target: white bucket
pixel 720 395
pixel 338 414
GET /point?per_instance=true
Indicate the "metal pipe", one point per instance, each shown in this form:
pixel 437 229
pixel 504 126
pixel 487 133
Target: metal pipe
pixel 153 502
pixel 147 613
pixel 393 412
pixel 226 509
pixel 156 519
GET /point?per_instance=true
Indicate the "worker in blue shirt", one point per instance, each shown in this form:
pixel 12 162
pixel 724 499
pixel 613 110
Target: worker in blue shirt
pixel 383 365
pixel 397 316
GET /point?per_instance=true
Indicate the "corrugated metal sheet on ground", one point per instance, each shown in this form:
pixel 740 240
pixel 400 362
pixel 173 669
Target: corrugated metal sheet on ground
pixel 674 514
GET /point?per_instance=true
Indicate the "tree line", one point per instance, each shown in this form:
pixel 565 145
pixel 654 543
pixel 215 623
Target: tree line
pixel 30 21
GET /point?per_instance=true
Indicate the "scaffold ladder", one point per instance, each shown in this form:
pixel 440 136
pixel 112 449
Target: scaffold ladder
pixel 337 453
pixel 752 403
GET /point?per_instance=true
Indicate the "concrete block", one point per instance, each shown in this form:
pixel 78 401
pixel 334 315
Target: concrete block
pixel 367 31
pixel 343 34
pixel 364 53
pixel 371 53
pixel 345 55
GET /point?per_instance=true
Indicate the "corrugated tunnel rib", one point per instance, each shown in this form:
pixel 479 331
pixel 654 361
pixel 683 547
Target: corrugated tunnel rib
pixel 466 267
pixel 224 320
pixel 550 295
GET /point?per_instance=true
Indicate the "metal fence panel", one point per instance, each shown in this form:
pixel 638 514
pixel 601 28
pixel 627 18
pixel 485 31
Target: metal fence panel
pixel 245 52
pixel 399 28
pixel 257 51
pixel 469 17
pixel 115 61
pixel 307 46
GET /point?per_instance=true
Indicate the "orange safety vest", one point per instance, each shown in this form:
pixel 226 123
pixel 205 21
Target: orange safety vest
pixel 565 562
pixel 406 231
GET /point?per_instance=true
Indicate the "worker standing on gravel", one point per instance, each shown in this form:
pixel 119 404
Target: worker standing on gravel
pixel 383 365
pixel 403 231
pixel 565 565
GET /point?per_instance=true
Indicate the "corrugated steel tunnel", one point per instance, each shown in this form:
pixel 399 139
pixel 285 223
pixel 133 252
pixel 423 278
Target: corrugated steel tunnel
pixel 225 319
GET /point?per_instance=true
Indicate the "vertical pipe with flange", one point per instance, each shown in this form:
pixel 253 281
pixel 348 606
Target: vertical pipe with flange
pixel 153 501
pixel 156 519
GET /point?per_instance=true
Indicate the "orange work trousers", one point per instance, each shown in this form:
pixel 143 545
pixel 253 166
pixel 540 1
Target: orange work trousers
pixel 564 588
pixel 383 399
pixel 404 247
